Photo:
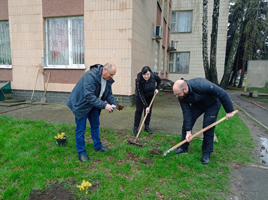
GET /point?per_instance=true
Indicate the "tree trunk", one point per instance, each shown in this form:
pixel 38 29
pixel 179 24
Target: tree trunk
pixel 235 44
pixel 236 68
pixel 213 48
pixel 205 39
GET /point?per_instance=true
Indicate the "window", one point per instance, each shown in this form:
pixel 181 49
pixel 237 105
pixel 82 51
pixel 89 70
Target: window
pixel 181 22
pixel 65 42
pixel 5 51
pixel 179 62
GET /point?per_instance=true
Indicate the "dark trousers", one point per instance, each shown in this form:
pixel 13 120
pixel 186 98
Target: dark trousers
pixel 210 116
pixel 139 109
pixel 93 118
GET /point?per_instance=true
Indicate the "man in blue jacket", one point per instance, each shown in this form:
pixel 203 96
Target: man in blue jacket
pixel 198 96
pixel 86 102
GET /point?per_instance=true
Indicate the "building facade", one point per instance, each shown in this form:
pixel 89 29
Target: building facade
pixel 65 37
pixel 186 60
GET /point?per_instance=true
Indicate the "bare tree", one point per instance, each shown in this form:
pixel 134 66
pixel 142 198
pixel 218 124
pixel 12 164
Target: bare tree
pixel 205 39
pixel 241 13
pixel 210 68
pixel 213 48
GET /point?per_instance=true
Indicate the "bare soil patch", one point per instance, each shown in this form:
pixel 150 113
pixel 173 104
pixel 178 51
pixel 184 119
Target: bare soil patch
pixel 156 152
pixel 56 192
pixel 147 161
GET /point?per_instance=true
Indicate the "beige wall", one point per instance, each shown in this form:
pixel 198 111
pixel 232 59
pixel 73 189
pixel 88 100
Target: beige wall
pixel 119 31
pixel 192 42
pixel 163 54
pixel 108 33
pixel 144 20
pixel 26 36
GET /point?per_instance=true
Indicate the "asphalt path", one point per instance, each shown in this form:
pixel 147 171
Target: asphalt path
pixel 250 182
pixel 257 112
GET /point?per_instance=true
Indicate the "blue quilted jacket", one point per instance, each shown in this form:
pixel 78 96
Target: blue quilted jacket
pixel 85 94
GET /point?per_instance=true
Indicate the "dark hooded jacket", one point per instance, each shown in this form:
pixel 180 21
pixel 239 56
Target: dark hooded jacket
pixel 145 89
pixel 202 94
pixel 85 94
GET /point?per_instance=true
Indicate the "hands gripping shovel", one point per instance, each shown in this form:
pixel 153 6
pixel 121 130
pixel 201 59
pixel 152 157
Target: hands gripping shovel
pixel 134 142
pixel 203 130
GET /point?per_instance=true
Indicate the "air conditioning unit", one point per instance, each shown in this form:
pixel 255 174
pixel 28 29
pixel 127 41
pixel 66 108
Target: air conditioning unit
pixel 158 32
pixel 173 45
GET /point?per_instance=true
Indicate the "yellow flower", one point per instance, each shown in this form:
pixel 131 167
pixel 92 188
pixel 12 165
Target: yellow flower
pixel 84 186
pixel 60 136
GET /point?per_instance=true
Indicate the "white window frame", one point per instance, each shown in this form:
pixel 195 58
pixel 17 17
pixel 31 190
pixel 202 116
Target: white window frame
pixel 176 23
pixel 174 62
pixel 70 66
pixel 7 66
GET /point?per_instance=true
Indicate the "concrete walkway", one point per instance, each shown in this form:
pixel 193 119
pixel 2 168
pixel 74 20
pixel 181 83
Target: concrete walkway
pixel 166 117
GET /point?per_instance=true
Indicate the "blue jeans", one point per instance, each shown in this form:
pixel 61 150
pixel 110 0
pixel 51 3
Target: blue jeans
pixel 94 120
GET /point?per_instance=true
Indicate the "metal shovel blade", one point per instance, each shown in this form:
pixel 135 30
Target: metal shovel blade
pixel 43 100
pixel 133 142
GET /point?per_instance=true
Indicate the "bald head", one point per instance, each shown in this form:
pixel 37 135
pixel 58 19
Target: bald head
pixel 109 70
pixel 180 88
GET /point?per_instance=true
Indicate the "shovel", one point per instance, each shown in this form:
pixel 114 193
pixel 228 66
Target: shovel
pixel 203 130
pixel 31 100
pixel 43 99
pixel 135 141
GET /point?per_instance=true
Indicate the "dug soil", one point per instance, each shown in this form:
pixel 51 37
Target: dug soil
pixel 56 192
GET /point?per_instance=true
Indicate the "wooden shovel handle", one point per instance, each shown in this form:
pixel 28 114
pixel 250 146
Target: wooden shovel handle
pixel 203 130
pixel 47 83
pixel 145 118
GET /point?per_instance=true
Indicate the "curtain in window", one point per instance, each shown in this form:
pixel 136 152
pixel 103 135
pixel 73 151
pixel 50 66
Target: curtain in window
pixel 184 21
pixel 58 46
pixel 5 51
pixel 78 41
pixel 182 62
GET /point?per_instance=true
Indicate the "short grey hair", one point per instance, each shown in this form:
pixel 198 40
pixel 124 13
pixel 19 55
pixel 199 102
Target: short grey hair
pixel 109 65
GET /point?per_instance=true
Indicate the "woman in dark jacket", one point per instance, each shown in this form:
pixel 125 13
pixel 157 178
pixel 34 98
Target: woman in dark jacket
pixel 144 92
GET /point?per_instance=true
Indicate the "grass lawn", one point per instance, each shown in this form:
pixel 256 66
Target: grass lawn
pixel 242 89
pixel 31 160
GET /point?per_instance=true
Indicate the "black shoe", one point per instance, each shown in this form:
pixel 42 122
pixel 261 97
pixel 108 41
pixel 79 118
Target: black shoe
pixel 103 149
pixel 205 159
pixel 135 131
pixel 83 158
pixel 181 150
pixel 147 129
